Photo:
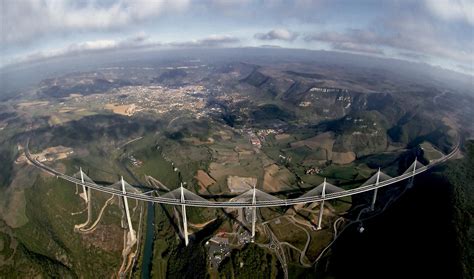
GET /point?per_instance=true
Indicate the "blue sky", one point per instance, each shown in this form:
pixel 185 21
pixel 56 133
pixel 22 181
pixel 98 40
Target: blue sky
pixel 437 32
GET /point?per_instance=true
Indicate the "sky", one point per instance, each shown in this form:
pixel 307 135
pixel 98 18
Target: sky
pixel 437 32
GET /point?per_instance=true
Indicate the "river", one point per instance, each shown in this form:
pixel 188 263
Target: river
pixel 149 239
pixel 149 230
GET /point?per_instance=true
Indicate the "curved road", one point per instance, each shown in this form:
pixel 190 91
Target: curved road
pixel 240 203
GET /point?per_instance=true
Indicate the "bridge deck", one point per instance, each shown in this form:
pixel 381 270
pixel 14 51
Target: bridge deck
pixel 238 204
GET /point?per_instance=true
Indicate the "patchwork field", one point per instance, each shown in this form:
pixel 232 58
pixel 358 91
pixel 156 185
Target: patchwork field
pixel 127 110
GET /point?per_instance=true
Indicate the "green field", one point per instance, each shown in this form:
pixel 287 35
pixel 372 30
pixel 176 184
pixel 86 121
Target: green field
pixel 430 152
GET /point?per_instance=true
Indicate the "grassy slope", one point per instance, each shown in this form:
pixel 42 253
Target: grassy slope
pixel 50 230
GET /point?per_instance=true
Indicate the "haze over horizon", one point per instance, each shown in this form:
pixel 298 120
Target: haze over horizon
pixel 438 33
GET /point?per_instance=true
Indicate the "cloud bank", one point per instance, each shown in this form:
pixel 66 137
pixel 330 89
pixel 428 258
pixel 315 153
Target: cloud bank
pixel 277 34
pixel 139 41
pixel 433 31
pixel 27 20
pixel 210 41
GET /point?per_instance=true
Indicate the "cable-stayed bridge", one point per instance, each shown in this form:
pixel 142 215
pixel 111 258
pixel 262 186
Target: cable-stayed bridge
pixel 253 198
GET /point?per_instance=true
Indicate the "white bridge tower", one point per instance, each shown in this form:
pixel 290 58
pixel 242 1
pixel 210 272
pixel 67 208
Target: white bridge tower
pixel 321 208
pixel 374 197
pixel 83 186
pixel 254 212
pixel 127 211
pixel 185 220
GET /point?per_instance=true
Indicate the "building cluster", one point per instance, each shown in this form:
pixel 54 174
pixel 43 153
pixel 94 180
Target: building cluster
pixel 262 134
pixel 156 98
pixel 219 249
pixel 328 90
pixel 259 136
pixel 134 161
pixel 254 139
pixel 314 170
pixel 220 246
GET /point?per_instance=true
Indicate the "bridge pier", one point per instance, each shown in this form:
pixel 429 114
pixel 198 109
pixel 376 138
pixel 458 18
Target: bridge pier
pixel 412 179
pixel 127 211
pixel 321 208
pixel 84 192
pixel 374 197
pixel 414 166
pixel 254 213
pixel 185 220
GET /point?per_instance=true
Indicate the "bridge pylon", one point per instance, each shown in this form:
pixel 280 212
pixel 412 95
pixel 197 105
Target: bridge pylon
pixel 182 195
pixel 374 182
pixel 320 192
pixel 374 197
pixel 127 211
pixel 185 220
pixel 321 208
pixel 254 212
pixel 84 192
pixel 414 166
pixel 412 170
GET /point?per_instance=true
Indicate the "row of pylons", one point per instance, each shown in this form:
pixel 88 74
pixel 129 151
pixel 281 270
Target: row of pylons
pixel 254 195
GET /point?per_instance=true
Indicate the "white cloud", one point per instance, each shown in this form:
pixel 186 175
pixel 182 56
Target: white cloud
pixel 412 55
pixel 25 20
pixel 277 34
pixel 229 3
pixel 422 30
pixel 353 47
pixel 218 40
pixel 417 37
pixel 459 10
pixel 77 48
pixel 210 41
pixel 468 69
pixel 141 40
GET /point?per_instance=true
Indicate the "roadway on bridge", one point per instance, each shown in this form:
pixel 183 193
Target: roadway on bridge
pixel 239 203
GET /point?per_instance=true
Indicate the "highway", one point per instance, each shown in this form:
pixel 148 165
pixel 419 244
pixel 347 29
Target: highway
pixel 148 197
